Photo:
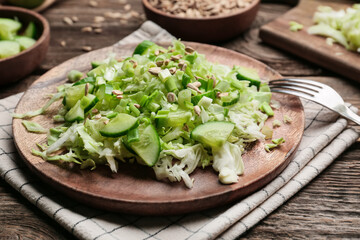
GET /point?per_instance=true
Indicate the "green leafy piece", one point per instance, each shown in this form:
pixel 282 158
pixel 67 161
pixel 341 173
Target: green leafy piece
pixel 143 47
pixel 275 143
pixel 74 75
pixel 33 127
pixel 295 26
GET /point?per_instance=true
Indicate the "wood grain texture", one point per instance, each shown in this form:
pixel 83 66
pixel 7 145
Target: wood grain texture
pixel 311 47
pixel 116 192
pixel 307 215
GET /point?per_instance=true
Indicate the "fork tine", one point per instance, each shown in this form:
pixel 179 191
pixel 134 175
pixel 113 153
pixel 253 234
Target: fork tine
pixel 296 93
pixel 295 85
pixel 304 81
pixel 295 89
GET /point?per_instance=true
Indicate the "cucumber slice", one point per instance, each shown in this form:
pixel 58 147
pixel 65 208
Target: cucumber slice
pixel 142 47
pixel 195 99
pixel 9 48
pixel 25 42
pixel 119 125
pixel 76 113
pixel 88 102
pixel 249 75
pixel 74 94
pixel 85 80
pixel 231 99
pixel 214 133
pixel 174 119
pixel 30 30
pixel 148 147
pixel 8 28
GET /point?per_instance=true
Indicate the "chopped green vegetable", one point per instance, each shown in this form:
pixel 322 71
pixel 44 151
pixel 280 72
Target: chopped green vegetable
pixel 287 119
pixel 10 42
pixel 265 107
pixel 33 127
pixel 276 143
pixel 295 26
pixel 74 76
pixel 276 123
pixel 342 25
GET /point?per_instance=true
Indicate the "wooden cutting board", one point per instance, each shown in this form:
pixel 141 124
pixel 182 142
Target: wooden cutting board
pixel 134 189
pixel 311 47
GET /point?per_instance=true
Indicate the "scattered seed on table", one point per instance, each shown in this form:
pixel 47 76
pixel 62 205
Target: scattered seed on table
pixel 113 14
pixel 74 19
pixel 93 3
pixel 98 30
pixel 68 21
pixel 86 29
pixel 86 48
pixel 127 7
pixel 99 19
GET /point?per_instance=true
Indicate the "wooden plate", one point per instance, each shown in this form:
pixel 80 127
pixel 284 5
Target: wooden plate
pixel 134 188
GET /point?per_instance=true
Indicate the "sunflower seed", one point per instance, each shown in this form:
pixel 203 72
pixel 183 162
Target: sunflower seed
pixel 197 110
pixel 68 21
pixel 171 97
pixel 93 3
pixel 154 70
pixel 86 29
pixel 86 48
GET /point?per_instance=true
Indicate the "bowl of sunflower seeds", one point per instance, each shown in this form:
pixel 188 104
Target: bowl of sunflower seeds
pixel 202 20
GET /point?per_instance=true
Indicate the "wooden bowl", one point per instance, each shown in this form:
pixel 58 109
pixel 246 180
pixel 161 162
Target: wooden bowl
pixel 15 67
pixel 207 29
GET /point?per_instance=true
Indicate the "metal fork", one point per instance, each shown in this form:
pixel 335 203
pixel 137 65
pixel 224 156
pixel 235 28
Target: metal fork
pixel 316 92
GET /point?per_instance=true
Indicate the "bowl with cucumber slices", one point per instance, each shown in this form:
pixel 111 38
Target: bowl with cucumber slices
pixel 24 40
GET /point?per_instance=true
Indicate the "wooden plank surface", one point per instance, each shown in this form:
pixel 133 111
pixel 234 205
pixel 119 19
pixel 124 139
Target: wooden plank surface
pixel 311 47
pixel 327 208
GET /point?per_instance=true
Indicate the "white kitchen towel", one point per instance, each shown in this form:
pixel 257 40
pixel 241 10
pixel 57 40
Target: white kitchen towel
pixel 326 136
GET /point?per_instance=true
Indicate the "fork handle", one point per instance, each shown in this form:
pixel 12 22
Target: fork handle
pixel 347 113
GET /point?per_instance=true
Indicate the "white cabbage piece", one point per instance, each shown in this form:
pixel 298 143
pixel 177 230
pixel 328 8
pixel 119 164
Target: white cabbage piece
pixel 189 158
pixel 228 162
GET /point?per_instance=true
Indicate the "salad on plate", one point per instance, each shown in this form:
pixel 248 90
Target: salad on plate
pixel 166 108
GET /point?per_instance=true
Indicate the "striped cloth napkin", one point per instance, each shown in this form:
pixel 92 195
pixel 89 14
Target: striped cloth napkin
pixel 326 136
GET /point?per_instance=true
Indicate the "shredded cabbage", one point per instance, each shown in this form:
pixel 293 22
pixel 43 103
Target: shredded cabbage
pixel 342 26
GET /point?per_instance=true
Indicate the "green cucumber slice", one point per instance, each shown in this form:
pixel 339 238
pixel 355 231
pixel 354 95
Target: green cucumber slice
pixel 75 93
pixel 76 113
pixel 213 134
pixel 119 125
pixel 249 75
pixel 142 47
pixel 25 42
pixel 148 147
pixel 88 102
pixel 30 30
pixel 231 99
pixel 8 28
pixel 9 48
pixel 195 99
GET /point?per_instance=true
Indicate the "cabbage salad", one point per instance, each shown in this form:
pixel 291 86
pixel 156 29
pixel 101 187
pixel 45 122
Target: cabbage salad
pixel 166 108
pixel 341 26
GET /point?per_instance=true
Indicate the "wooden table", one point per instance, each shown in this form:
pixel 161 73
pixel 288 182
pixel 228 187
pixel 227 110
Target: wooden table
pixel 328 207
